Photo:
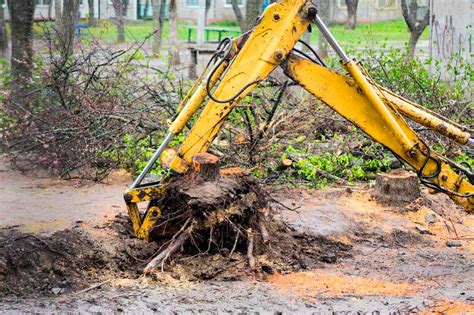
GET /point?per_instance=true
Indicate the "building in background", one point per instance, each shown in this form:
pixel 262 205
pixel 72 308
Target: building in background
pixel 451 29
pixel 103 9
pixel 221 10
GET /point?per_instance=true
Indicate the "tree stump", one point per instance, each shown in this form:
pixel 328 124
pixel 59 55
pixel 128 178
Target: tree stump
pixel 397 188
pixel 206 167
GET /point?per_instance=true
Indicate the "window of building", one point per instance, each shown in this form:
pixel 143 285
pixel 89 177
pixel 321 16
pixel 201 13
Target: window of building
pixel 239 3
pixel 43 2
pixel 341 4
pixel 387 4
pixel 192 3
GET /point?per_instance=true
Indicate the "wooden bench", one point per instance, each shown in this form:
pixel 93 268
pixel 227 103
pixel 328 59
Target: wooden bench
pixel 79 29
pixel 195 51
pixel 209 29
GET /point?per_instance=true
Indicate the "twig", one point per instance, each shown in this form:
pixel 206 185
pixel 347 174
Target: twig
pixel 94 286
pixel 172 248
pixel 454 228
pixel 264 231
pixel 250 248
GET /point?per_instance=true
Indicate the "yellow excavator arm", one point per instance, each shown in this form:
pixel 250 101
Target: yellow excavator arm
pixel 239 65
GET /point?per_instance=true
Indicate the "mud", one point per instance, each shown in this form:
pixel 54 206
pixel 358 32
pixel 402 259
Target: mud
pixel 392 266
pixel 69 260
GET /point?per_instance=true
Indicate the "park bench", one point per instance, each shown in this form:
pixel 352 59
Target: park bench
pixel 79 29
pixel 195 51
pixel 212 29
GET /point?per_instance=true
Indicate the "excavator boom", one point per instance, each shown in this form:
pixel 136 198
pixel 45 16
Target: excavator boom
pixel 241 64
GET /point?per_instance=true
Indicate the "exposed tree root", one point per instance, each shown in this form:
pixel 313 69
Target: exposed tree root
pixel 207 213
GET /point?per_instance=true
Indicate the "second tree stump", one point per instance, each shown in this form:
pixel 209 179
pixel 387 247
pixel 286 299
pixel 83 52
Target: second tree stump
pixel 397 188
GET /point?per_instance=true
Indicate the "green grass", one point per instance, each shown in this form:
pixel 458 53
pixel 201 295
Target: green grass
pixel 370 33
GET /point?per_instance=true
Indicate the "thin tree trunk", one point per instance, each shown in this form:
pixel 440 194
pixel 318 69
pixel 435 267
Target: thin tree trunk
pixel 21 18
pixel 145 10
pixel 352 13
pixel 92 20
pixel 410 14
pixel 252 11
pixel 58 12
pixel 3 33
pixel 324 8
pixel 50 10
pixel 158 7
pixel 174 41
pixel 69 20
pixel 120 7
pixel 208 7
pixel 238 15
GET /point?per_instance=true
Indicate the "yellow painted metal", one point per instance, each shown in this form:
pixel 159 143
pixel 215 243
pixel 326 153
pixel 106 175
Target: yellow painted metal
pixel 141 194
pixel 151 216
pixel 387 116
pixel 341 94
pixel 195 101
pixel 279 28
pixel 141 227
pixel 424 117
pixel 134 216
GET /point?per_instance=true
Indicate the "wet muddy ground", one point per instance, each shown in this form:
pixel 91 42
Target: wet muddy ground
pixel 419 259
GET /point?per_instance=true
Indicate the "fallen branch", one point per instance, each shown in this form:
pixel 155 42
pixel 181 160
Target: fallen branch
pixel 250 248
pixel 171 249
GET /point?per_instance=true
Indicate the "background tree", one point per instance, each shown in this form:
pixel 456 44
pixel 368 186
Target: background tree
pixel 3 32
pixel 252 11
pixel 416 24
pixel 50 10
pixel 58 11
pixel 120 9
pixel 21 19
pixel 174 41
pixel 324 10
pixel 158 7
pixel 69 19
pixel 92 20
pixel 352 13
pixel 145 10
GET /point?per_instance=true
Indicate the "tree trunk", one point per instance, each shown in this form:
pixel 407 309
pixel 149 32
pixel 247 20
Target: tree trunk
pixel 252 11
pixel 50 10
pixel 324 8
pixel 416 27
pixel 174 41
pixel 92 20
pixel 158 7
pixel 397 188
pixel 120 7
pixel 69 20
pixel 208 7
pixel 239 16
pixel 58 9
pixel 21 18
pixel 352 13
pixel 414 37
pixel 206 167
pixel 3 33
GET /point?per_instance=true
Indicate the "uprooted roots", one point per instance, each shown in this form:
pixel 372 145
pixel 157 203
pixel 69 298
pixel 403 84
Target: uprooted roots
pixel 230 218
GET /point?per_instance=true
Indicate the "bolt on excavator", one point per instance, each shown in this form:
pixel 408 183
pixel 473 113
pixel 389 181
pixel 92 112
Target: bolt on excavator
pixel 240 64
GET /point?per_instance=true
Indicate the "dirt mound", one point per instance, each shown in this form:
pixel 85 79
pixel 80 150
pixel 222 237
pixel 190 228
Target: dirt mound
pixel 228 218
pixel 31 263
pixel 73 259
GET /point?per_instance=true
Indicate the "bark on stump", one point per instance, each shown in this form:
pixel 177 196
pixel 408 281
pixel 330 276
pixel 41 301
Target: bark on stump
pixel 206 167
pixel 397 188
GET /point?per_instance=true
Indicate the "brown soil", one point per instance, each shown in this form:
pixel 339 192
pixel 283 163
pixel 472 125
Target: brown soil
pixel 72 259
pixel 382 260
